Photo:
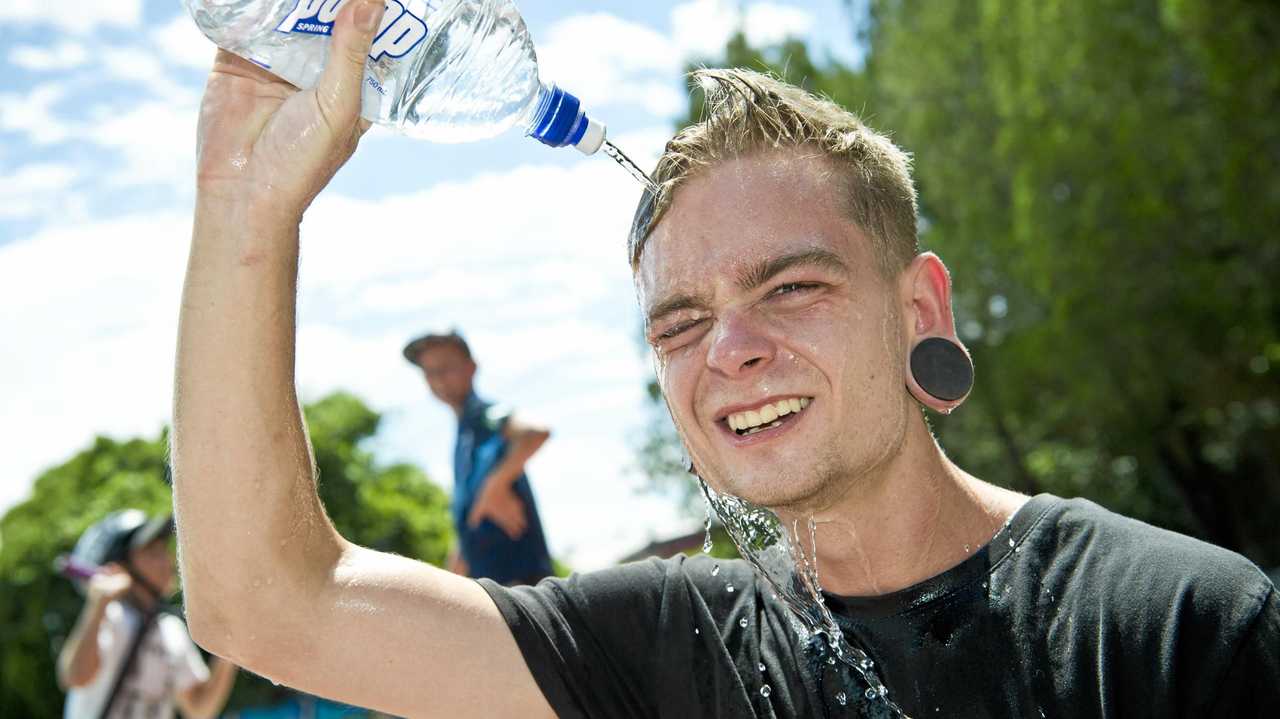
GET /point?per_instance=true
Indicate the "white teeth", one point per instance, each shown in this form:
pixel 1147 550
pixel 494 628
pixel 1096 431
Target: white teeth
pixel 766 417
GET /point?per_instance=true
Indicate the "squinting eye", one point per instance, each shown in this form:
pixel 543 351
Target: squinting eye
pixel 791 287
pixel 675 330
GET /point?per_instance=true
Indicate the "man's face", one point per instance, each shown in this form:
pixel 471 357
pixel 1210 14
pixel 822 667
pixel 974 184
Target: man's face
pixel 448 372
pixel 762 296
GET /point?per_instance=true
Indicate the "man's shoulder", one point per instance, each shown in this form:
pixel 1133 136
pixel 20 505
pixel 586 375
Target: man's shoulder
pixel 1133 562
pixel 480 412
pixel 1133 541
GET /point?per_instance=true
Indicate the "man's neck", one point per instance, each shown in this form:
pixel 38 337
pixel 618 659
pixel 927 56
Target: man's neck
pixel 913 518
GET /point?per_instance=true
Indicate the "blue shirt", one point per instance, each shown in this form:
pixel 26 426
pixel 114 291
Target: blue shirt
pixel 488 551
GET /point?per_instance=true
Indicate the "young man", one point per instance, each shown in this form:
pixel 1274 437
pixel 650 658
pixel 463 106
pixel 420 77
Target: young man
pixel 104 674
pixel 494 514
pixel 776 267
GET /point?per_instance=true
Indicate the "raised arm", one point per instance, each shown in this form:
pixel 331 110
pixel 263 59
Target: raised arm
pixel 267 580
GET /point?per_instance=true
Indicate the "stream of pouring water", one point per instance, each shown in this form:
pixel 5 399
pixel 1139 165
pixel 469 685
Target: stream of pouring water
pixel 621 158
pixel 791 569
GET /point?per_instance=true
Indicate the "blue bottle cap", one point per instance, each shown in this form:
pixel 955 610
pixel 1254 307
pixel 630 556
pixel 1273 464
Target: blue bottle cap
pixel 561 121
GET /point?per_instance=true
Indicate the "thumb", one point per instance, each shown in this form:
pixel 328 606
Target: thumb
pixel 338 91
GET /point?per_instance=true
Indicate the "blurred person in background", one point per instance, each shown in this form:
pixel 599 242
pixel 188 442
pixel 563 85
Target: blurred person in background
pixel 127 655
pixel 495 516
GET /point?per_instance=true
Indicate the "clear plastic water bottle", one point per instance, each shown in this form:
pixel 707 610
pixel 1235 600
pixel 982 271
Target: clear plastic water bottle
pixel 441 70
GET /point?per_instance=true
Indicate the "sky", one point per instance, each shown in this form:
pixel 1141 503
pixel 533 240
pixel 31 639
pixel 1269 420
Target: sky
pixel 520 246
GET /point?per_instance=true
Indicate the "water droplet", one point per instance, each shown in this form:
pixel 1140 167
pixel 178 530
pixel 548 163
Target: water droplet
pixel 966 549
pixel 697 631
pixel 866 665
pixel 765 690
pixel 840 697
pixel 715 570
pixel 1010 541
pixel 743 622
pixel 729 588
pixel 871 694
pixel 762 666
pixel 831 661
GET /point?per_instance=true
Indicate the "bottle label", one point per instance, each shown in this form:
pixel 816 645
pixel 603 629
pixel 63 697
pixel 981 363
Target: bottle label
pixel 400 32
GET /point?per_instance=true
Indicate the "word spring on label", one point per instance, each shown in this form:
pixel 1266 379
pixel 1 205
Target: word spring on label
pixel 400 32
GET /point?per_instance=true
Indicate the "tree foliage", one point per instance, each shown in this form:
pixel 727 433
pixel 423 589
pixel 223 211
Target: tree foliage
pixel 1103 179
pixel 392 508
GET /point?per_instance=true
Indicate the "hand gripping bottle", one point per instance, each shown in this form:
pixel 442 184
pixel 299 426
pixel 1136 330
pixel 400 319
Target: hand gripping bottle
pixel 441 70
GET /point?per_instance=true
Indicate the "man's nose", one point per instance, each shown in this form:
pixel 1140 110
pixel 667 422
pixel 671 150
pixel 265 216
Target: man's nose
pixel 738 346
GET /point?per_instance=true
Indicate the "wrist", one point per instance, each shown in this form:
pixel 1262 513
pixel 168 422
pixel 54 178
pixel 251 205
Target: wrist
pixel 97 605
pixel 254 214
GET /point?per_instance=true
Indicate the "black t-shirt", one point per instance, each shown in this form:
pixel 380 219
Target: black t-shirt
pixel 1071 611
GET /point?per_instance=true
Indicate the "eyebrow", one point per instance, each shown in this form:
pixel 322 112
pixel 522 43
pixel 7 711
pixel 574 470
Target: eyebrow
pixel 672 305
pixel 761 272
pixel 750 279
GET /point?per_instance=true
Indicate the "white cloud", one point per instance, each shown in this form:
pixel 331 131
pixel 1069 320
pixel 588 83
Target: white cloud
pixel 56 58
pixel 37 190
pixel 154 140
pixel 604 59
pixel 180 41
pixel 32 114
pixel 702 27
pixel 74 16
pixel 146 68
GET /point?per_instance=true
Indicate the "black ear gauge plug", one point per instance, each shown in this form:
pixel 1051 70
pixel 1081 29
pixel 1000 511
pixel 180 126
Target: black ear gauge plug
pixel 942 369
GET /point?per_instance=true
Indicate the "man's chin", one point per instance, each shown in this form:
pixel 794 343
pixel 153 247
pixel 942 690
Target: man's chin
pixel 766 489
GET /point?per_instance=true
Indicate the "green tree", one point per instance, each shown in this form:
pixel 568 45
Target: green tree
pixel 1101 177
pixel 392 508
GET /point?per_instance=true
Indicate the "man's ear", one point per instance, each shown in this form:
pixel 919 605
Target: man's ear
pixel 938 371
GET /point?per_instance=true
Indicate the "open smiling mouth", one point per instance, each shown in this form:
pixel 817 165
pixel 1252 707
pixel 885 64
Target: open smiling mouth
pixel 766 416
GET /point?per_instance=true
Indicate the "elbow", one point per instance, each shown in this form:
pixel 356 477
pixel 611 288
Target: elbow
pixel 210 625
pixel 538 437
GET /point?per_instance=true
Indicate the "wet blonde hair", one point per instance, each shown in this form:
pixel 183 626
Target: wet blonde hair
pixel 747 112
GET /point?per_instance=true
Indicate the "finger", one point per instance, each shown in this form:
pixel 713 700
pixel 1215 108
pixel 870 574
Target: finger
pixel 338 91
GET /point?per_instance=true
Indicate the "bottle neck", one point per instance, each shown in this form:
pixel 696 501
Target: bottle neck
pixel 559 120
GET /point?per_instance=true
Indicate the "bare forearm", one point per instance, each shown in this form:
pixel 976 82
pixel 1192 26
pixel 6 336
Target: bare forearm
pixel 522 449
pixel 78 661
pixel 244 486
